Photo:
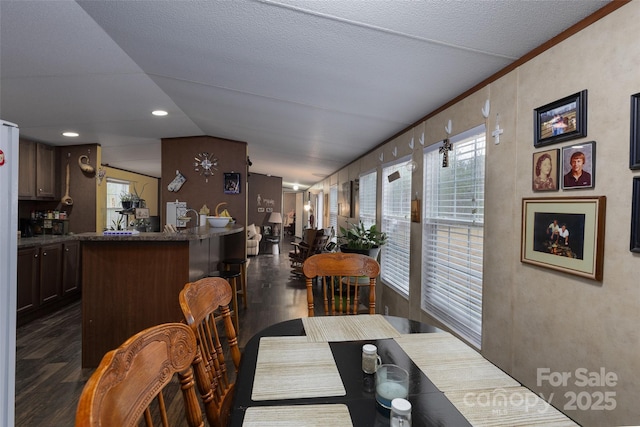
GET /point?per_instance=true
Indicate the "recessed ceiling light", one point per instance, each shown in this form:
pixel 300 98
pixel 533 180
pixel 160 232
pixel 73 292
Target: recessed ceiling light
pixel 295 188
pixel 70 134
pixel 159 113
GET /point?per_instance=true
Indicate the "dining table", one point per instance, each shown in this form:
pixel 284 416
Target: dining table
pixel 308 372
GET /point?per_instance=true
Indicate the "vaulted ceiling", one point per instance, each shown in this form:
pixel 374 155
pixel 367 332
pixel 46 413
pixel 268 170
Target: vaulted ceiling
pixel 310 85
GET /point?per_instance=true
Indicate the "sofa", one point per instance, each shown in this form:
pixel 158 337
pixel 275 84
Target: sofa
pixel 253 240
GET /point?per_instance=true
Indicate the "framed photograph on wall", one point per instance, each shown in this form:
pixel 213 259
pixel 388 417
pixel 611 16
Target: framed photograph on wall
pixel 634 152
pixel 564 234
pixel 635 216
pixel 561 120
pixel 142 213
pixel 546 166
pixel 231 183
pixel 579 166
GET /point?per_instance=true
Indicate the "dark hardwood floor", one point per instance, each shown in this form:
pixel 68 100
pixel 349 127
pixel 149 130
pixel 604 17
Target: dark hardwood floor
pixel 49 377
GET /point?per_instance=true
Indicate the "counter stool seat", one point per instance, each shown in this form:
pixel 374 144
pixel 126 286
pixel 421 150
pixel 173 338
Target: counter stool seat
pixel 231 277
pixel 240 265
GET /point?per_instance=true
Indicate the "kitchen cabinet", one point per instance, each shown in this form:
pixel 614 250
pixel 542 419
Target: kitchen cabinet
pixel 26 170
pixel 70 267
pixel 50 272
pixel 28 279
pixel 48 278
pixel 37 171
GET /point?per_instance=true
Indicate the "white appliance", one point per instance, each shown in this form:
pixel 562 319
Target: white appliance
pixel 176 210
pixel 9 162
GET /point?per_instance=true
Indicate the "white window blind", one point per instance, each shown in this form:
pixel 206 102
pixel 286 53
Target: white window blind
pixel 320 210
pixel 396 222
pixel 333 207
pixel 367 198
pixel 453 230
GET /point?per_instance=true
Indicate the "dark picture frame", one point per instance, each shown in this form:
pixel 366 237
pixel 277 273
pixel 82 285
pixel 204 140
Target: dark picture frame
pixel 635 216
pixel 580 251
pixel 634 143
pixel 561 120
pixel 231 183
pixel 588 177
pixel 542 160
pixel 345 199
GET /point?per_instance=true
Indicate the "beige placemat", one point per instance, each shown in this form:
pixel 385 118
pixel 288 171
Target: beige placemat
pixel 292 367
pixel 348 328
pixel 451 364
pixel 298 416
pixel 507 407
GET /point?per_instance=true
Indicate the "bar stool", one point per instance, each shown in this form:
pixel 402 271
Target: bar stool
pixel 241 267
pixel 232 278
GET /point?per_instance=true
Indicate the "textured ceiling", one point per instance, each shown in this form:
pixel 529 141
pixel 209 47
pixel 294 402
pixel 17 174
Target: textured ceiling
pixel 310 85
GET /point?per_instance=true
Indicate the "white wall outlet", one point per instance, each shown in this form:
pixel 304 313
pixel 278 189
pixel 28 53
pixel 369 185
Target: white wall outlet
pixel 386 310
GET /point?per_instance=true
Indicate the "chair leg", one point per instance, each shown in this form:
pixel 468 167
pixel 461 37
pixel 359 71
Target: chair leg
pixel 234 286
pixel 243 279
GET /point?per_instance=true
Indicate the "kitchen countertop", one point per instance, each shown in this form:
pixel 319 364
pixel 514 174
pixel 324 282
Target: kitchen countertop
pixel 194 233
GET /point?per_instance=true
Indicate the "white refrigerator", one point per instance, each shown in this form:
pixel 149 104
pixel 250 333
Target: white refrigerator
pixel 8 264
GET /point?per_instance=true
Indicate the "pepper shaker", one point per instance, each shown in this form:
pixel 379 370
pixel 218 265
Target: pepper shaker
pixel 370 359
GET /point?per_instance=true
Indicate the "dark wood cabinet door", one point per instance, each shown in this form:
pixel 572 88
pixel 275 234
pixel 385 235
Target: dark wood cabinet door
pixel 27 170
pixel 28 275
pixel 46 171
pixel 50 272
pixel 70 267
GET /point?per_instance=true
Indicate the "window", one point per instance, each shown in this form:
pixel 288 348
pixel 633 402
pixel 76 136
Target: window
pixel 114 189
pixel 396 222
pixel 453 230
pixel 367 198
pixel 320 210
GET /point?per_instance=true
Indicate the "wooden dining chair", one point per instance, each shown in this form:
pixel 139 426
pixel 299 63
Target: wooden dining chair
pixel 128 384
pixel 340 276
pixel 205 304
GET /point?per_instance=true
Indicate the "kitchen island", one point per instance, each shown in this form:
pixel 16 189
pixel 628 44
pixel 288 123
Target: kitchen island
pixel 132 282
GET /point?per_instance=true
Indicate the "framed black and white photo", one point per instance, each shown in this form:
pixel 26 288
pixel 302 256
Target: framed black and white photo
pixel 561 120
pixel 546 170
pixel 634 152
pixel 579 166
pixel 635 216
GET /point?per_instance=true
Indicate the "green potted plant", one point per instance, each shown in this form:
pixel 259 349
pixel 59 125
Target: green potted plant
pixel 360 239
pixel 126 199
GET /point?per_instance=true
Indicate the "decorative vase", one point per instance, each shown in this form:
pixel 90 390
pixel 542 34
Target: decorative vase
pixel 373 252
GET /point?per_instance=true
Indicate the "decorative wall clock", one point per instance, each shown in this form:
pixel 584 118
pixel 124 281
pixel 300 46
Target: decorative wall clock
pixel 206 164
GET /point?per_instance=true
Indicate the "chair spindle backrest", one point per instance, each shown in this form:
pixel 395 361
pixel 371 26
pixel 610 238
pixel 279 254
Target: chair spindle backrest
pixel 204 304
pixel 129 379
pixel 341 275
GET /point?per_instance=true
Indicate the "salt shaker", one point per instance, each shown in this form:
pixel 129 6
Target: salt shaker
pixel 370 359
pixel 400 413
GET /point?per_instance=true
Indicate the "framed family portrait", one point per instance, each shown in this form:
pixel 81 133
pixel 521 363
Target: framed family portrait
pixel 561 120
pixel 579 166
pixel 231 183
pixel 634 153
pixel 635 216
pixel 545 170
pixel 564 234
